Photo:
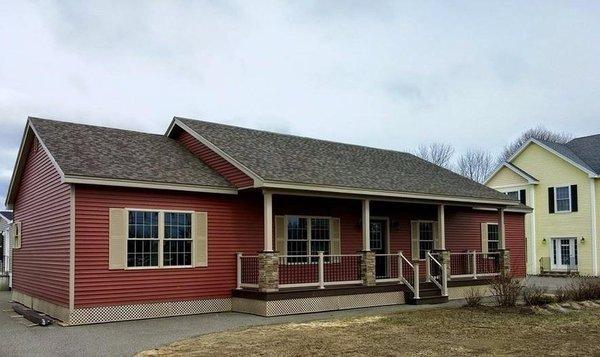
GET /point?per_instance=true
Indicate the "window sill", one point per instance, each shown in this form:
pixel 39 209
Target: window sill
pixel 160 267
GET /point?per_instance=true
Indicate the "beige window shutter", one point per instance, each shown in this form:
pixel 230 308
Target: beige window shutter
pixel 336 244
pixel 15 235
pixel 200 239
pixel 280 244
pixel 117 245
pixel 436 235
pixel 414 239
pixel 484 237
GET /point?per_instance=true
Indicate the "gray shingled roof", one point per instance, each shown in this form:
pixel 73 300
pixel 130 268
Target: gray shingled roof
pixel 99 152
pixel 567 151
pixel 7 214
pixel 587 148
pixel 294 159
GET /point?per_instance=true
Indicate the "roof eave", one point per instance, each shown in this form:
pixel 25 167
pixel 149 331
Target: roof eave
pixel 382 193
pixel 149 185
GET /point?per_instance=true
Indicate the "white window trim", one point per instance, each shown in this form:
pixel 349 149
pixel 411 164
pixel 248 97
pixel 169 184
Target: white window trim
pixel 432 237
pixel 161 238
pixel 518 191
pixel 308 235
pixel 568 187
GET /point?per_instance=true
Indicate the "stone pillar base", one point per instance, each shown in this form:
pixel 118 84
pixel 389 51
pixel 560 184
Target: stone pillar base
pixel 367 268
pixel 268 271
pixel 504 261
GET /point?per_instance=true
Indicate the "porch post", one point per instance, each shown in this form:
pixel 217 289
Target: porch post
pixel 441 227
pixel 268 260
pixel 268 224
pixel 366 225
pixel 501 228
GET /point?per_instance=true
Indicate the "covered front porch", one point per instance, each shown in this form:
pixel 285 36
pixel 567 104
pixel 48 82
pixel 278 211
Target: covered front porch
pixel 372 245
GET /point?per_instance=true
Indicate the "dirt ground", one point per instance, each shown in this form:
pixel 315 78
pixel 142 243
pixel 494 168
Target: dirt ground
pixel 463 331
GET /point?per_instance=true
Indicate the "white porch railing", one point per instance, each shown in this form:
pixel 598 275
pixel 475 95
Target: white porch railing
pixel 436 273
pixel 396 268
pixel 474 264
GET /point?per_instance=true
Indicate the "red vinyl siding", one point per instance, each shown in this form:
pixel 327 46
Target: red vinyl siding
pixel 235 224
pixel 231 173
pixel 41 265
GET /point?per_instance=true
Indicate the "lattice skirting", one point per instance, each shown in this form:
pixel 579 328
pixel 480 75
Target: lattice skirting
pixel 316 304
pixel 146 311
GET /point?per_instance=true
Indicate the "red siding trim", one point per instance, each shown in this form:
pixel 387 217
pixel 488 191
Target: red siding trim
pixel 234 224
pixel 231 173
pixel 41 265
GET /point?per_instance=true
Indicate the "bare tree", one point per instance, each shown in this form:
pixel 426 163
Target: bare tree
pixel 437 153
pixel 540 133
pixel 475 164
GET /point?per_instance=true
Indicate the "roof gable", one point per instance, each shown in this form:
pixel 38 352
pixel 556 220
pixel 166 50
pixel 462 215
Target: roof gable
pixel 508 174
pixel 100 155
pixel 281 158
pixel 560 150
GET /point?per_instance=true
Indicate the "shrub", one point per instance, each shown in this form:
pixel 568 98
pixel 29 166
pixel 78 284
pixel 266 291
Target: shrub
pixel 473 297
pixel 536 296
pixel 506 290
pixel 579 290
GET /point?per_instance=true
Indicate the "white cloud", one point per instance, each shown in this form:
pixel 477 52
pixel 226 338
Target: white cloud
pixel 389 74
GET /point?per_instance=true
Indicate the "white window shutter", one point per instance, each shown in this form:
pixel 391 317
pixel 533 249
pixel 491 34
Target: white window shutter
pixel 484 237
pixel 336 246
pixel 437 244
pixel 280 243
pixel 414 239
pixel 117 245
pixel 200 239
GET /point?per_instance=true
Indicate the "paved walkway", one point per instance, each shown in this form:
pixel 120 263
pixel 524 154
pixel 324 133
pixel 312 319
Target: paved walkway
pixel 127 338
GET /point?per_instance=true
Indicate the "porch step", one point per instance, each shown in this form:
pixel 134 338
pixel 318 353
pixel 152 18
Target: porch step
pixel 429 294
pixel 427 300
pixel 559 274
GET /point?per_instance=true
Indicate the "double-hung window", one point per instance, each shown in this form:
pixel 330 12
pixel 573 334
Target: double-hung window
pixel 177 245
pixel 307 236
pixel 425 238
pixel 493 237
pixel 142 243
pixel 157 238
pixel 562 197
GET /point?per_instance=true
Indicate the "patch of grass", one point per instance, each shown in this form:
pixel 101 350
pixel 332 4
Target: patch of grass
pixel 464 331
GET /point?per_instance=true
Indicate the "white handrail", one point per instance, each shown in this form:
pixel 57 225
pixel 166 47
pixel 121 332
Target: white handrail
pixel 414 288
pixel 443 285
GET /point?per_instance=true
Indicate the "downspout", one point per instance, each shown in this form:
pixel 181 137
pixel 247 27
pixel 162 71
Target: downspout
pixel 594 227
pixel 533 238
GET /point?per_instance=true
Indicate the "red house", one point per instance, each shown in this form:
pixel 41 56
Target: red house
pixel 115 225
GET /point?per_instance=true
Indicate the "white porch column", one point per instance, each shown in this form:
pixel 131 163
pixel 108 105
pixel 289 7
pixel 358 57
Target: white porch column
pixel 268 214
pixel 441 227
pixel 366 226
pixel 501 228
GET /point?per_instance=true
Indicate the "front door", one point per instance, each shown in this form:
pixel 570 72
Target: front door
pixel 564 254
pixel 379 246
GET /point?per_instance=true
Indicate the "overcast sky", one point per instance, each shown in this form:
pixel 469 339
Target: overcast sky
pixel 385 74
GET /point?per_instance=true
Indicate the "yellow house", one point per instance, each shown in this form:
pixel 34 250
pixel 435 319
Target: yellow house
pixel 561 182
